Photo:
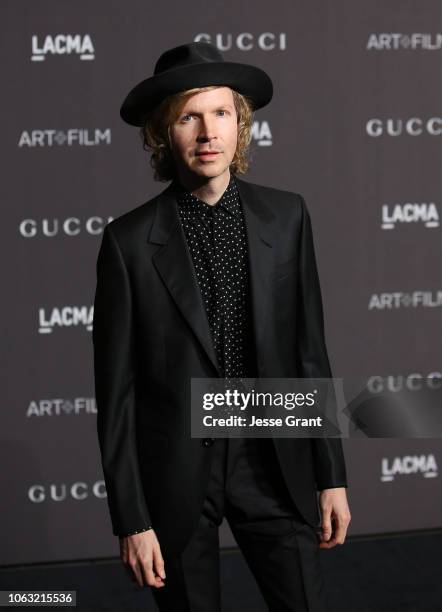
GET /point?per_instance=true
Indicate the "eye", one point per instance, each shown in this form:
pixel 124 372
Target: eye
pixel 221 110
pixel 184 117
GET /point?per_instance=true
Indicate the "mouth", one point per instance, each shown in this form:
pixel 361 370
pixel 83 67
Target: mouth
pixel 207 154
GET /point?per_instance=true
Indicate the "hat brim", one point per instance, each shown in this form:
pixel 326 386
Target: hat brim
pixel 246 79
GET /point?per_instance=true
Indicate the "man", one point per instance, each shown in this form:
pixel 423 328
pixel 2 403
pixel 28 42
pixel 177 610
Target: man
pixel 214 277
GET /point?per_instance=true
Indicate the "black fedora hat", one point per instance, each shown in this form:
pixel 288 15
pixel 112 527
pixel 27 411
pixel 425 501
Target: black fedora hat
pixel 195 64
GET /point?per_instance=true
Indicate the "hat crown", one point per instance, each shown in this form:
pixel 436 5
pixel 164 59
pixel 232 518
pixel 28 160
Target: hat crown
pixel 188 54
pixel 194 64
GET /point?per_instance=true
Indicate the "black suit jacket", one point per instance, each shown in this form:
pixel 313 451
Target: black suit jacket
pixel 151 336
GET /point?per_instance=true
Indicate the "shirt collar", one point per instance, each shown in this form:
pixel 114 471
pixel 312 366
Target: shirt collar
pixel 229 200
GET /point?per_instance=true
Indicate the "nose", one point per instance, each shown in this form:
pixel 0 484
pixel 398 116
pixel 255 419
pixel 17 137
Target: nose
pixel 207 129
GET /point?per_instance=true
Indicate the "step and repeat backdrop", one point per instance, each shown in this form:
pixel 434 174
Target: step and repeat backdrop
pixel 355 126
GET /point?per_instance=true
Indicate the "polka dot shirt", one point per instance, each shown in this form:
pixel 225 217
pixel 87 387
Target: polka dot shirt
pixel 217 240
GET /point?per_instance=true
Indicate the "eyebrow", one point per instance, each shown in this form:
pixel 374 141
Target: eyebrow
pixel 193 112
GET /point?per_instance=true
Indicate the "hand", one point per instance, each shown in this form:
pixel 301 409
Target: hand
pixel 334 507
pixel 141 555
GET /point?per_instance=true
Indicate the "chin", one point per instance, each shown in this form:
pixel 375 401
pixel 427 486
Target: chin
pixel 210 171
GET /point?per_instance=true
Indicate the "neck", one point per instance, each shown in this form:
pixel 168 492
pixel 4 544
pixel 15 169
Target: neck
pixel 207 189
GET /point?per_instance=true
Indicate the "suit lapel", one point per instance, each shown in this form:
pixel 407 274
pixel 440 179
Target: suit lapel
pixel 173 261
pixel 260 228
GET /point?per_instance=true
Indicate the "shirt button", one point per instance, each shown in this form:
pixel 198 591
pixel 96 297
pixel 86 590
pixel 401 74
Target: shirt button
pixel 208 442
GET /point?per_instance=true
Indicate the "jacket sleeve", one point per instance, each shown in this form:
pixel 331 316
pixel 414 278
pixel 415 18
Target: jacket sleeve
pixel 112 337
pixel 328 454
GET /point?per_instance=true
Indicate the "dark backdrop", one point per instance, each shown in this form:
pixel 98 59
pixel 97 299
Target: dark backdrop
pixel 355 126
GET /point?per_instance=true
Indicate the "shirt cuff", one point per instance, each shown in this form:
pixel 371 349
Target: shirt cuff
pixel 138 531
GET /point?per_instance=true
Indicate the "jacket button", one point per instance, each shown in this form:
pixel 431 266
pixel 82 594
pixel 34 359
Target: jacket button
pixel 208 442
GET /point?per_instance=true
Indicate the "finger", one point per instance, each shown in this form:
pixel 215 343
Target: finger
pixel 149 576
pixel 158 562
pixel 338 535
pixel 326 527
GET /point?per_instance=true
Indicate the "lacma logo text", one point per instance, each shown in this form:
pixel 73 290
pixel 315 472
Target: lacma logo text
pixel 424 213
pixel 425 465
pixel 261 133
pixel 67 316
pixel 62 44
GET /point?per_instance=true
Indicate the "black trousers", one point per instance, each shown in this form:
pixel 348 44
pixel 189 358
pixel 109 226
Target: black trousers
pixel 280 548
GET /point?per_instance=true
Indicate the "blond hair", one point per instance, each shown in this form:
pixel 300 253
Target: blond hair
pixel 155 132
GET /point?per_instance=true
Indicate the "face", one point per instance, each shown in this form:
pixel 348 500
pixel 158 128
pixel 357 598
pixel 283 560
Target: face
pixel 206 123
